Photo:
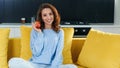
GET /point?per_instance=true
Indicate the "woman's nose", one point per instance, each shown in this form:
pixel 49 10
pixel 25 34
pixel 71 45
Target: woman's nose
pixel 48 16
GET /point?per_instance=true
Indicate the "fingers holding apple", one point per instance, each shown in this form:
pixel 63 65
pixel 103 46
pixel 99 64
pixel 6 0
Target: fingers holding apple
pixel 37 24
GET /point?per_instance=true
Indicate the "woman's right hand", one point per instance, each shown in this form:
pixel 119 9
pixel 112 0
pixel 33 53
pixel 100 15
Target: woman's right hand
pixel 35 28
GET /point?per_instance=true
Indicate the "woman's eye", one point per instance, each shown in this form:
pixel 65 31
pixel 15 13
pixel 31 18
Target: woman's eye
pixel 44 15
pixel 50 13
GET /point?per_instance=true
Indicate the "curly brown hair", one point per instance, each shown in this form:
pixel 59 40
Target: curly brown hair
pixel 56 22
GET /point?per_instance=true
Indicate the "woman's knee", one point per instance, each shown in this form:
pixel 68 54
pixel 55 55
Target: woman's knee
pixel 19 63
pixel 15 61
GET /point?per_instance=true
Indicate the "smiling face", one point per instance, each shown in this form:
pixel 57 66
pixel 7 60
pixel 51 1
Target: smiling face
pixel 47 17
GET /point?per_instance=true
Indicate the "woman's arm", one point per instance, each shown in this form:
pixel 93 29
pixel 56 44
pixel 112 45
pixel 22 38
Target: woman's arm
pixel 36 42
pixel 58 55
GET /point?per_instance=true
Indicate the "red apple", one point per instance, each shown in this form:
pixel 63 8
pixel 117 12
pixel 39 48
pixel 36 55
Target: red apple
pixel 37 24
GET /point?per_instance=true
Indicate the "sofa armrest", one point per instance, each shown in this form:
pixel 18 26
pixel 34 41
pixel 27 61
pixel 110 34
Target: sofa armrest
pixel 77 44
pixel 14 47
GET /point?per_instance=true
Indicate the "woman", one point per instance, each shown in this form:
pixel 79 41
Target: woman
pixel 46 42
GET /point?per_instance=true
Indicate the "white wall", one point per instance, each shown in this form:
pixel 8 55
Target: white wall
pixel 117 12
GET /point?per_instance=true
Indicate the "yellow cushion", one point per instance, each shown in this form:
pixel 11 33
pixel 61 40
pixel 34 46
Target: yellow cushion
pixel 68 35
pixel 25 42
pixel 101 50
pixel 14 47
pixel 4 35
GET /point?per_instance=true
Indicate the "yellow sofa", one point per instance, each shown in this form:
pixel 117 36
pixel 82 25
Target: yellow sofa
pixel 98 50
pixel 14 47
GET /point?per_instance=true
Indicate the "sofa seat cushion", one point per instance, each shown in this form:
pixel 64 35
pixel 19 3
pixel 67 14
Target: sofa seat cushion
pixel 4 35
pixel 101 50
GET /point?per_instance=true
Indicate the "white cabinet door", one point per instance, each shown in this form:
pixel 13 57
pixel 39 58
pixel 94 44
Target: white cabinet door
pixel 14 32
pixel 17 32
pixel 11 35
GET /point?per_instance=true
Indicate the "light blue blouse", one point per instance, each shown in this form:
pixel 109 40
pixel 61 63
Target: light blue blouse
pixel 47 47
